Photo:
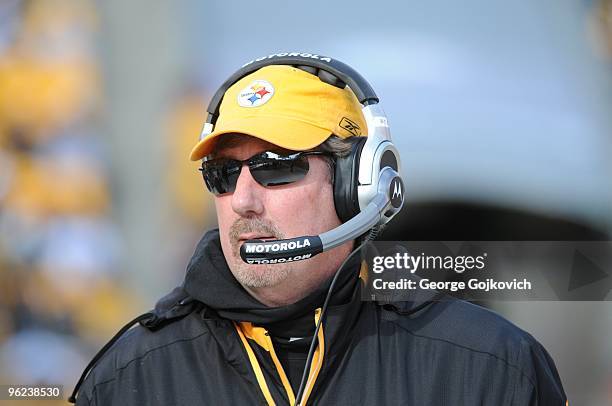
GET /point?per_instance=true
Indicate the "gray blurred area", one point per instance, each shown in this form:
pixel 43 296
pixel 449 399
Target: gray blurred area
pixel 501 111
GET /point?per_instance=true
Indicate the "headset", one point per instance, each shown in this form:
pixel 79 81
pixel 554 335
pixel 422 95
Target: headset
pixel 368 188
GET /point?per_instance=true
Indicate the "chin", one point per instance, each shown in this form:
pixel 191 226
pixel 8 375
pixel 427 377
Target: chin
pixel 260 276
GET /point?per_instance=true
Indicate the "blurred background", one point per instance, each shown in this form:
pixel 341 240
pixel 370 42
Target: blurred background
pixel 502 112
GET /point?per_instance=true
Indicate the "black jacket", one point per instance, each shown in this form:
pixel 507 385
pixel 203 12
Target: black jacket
pixel 204 344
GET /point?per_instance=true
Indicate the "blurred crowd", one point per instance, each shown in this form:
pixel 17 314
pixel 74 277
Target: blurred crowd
pixel 59 244
pixel 63 290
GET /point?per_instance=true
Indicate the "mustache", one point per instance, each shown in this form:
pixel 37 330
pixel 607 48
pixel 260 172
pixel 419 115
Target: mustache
pixel 253 225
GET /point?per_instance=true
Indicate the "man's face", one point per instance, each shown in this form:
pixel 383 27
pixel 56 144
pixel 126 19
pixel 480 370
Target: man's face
pixel 305 207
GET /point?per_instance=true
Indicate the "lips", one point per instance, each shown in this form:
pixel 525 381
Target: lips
pixel 253 236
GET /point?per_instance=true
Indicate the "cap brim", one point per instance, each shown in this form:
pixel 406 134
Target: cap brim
pixel 285 132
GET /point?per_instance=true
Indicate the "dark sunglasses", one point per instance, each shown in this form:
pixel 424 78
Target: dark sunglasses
pixel 267 168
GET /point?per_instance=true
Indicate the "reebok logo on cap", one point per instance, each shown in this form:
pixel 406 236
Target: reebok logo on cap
pixel 350 126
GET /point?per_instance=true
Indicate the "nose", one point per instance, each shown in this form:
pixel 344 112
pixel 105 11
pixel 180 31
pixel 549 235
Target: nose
pixel 247 199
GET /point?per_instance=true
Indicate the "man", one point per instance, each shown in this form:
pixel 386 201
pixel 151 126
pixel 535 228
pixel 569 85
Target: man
pixel 239 333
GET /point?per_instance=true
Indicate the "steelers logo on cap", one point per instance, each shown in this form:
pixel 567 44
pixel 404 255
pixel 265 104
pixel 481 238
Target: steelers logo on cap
pixel 256 94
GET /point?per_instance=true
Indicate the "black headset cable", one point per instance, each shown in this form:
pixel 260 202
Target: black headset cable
pixel 315 339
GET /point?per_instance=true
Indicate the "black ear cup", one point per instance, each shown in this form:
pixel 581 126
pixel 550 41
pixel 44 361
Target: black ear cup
pixel 346 180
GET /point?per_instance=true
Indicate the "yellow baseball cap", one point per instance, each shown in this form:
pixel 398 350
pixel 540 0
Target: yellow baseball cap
pixel 288 107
